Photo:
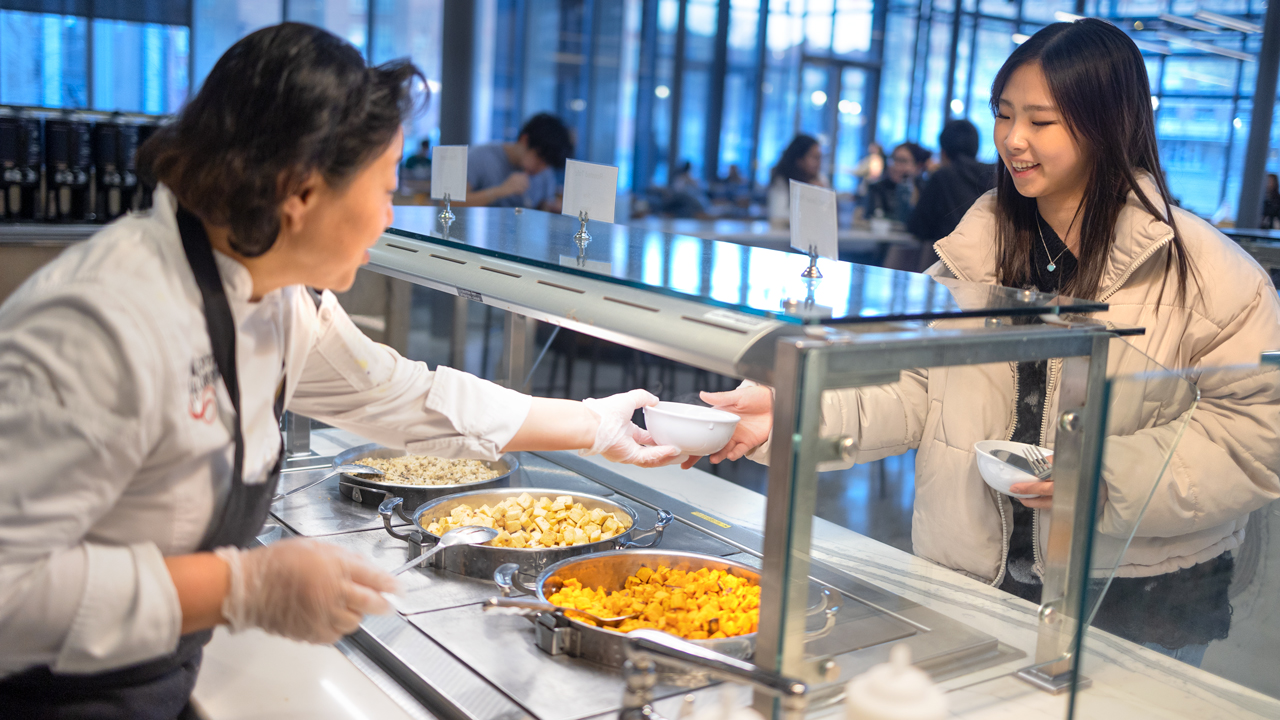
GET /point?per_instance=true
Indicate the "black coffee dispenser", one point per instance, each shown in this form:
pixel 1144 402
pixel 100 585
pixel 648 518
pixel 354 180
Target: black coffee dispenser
pixel 114 145
pixel 68 170
pixel 21 161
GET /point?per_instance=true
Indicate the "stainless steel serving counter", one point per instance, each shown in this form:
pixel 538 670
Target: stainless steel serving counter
pixel 457 661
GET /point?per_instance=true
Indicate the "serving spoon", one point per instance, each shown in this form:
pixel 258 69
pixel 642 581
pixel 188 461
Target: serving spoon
pixel 352 468
pixel 506 603
pixel 465 535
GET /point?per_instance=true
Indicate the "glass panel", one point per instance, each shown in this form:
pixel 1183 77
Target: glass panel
pixel 348 19
pixel 740 85
pixel 411 29
pixel 219 23
pixel 139 67
pixel 935 86
pixel 999 8
pixel 1193 149
pixel 818 26
pixel 994 44
pixel 849 148
pixel 895 78
pixel 852 27
pixel 699 52
pixel 1044 11
pixel 854 293
pixel 815 103
pixel 1200 75
pixel 785 36
pixel 43 60
pixel 1214 509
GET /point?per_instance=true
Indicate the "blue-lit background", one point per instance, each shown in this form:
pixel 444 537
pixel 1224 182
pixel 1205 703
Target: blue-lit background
pixel 749 74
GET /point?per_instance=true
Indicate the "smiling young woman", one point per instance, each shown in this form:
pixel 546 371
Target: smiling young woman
pixel 1080 208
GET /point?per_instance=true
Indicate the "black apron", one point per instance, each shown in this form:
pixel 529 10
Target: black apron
pixel 159 689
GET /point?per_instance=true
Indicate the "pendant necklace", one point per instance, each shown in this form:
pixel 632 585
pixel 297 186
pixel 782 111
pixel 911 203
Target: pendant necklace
pixel 1053 262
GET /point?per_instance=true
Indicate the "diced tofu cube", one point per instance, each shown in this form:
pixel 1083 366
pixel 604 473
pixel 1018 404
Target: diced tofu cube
pixel 503 539
pixel 434 528
pixel 610 524
pixel 565 500
pixel 543 502
pixel 512 513
pixel 542 524
pixel 594 536
pixel 512 526
pixel 598 515
pixel 539 512
pixel 591 529
pixel 576 514
pixel 535 536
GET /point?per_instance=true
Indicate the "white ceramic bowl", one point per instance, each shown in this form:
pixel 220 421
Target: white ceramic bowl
pixel 1001 475
pixel 695 429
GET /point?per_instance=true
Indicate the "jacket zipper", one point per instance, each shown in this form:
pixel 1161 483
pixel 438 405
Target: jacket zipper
pixel 1055 366
pixel 1004 521
pixel 947 261
pixel 1133 267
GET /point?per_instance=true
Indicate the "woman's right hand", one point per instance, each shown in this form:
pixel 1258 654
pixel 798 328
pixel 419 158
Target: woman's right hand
pixel 754 405
pixel 302 589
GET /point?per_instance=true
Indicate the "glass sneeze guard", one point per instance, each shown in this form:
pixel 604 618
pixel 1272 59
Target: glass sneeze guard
pixel 746 279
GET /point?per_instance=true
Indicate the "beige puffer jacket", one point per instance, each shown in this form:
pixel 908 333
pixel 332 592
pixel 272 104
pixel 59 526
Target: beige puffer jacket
pixel 1224 466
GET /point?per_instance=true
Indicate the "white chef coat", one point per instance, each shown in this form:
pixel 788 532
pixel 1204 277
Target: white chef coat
pixel 115 435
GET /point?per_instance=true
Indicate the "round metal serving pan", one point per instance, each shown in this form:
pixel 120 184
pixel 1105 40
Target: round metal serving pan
pixel 610 570
pixel 367 491
pixel 480 561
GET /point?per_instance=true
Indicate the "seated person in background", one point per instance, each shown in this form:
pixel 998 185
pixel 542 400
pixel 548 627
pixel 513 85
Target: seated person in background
pixel 520 173
pixel 420 159
pixel 1271 204
pixel 686 198
pixel 802 161
pixel 894 196
pixel 959 180
pixel 869 169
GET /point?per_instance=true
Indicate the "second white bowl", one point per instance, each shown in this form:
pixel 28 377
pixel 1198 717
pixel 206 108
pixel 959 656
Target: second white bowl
pixel 1001 475
pixel 695 429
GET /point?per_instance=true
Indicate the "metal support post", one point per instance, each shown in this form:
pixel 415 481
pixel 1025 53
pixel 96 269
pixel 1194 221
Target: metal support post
pixel 1249 211
pixel 1076 476
pixel 792 492
pixel 518 335
pixel 399 307
pixel 458 335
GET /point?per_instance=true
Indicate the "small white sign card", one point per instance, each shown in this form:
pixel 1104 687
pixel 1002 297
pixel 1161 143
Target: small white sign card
pixel 590 188
pixel 449 172
pixel 813 220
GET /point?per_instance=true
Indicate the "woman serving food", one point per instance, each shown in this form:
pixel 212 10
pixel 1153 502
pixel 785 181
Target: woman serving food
pixel 143 374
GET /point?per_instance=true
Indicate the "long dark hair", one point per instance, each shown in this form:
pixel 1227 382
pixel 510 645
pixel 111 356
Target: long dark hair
pixel 1098 81
pixel 786 168
pixel 281 103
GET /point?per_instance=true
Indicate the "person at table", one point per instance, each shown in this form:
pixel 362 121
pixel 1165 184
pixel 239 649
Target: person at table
pixel 894 196
pixel 801 161
pixel 953 187
pixel 143 374
pixel 520 173
pixel 1271 204
pixel 1081 209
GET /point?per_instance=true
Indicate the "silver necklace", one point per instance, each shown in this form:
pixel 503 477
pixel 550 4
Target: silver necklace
pixel 1053 262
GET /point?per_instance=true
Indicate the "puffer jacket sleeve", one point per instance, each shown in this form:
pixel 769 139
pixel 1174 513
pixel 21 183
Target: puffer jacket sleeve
pixel 883 420
pixel 1224 465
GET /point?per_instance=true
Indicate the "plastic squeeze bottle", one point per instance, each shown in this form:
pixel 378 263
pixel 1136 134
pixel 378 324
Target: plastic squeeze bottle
pixel 894 691
pixel 728 708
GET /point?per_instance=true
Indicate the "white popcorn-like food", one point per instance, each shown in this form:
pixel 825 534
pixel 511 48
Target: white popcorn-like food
pixel 426 470
pixel 523 522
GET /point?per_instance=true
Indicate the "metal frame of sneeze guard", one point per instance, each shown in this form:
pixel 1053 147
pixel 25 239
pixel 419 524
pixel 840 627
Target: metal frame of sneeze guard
pixel 806 366
pixel 800 362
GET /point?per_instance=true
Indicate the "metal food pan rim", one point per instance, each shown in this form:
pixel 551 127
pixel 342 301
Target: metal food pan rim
pixel 552 569
pixel 421 509
pixel 361 452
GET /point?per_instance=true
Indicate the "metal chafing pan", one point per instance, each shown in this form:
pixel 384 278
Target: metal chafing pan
pixel 367 491
pixel 480 561
pixel 558 633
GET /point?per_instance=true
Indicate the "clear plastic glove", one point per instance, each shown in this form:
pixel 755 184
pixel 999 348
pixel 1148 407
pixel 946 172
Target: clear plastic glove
pixel 620 440
pixel 302 589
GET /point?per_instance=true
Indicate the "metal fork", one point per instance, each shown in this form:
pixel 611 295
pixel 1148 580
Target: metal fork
pixel 1036 458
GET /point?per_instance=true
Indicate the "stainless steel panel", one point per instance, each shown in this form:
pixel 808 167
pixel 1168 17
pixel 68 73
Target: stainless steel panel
pixel 322 510
pixel 501 648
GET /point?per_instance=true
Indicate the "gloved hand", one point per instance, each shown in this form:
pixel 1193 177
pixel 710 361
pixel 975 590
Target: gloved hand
pixel 620 440
pixel 302 589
